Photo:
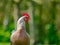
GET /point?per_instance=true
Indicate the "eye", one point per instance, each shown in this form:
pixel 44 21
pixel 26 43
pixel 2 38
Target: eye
pixel 26 19
pixel 21 21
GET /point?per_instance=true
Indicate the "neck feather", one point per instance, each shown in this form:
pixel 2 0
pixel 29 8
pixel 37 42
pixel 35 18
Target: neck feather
pixel 21 23
pixel 21 26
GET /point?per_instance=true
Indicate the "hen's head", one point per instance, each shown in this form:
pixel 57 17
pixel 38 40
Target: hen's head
pixel 27 17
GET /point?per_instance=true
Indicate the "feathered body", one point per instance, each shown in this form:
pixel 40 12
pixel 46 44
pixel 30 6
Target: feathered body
pixel 20 36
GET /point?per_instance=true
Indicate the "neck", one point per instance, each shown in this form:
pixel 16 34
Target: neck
pixel 21 26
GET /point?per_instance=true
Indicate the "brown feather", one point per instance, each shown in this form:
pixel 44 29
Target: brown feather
pixel 20 38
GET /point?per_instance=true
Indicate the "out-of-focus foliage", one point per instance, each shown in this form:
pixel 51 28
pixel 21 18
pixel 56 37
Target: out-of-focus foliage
pixel 4 43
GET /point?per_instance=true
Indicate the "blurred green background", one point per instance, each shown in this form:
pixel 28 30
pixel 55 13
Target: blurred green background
pixel 43 26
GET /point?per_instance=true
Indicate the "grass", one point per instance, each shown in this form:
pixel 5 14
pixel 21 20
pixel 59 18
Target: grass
pixel 1 43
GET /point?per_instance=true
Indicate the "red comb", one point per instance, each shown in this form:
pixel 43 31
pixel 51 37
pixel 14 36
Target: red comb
pixel 28 17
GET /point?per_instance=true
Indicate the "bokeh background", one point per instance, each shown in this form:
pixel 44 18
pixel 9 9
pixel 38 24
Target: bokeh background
pixel 43 26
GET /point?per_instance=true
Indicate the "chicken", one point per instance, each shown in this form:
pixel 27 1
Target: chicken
pixel 20 36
